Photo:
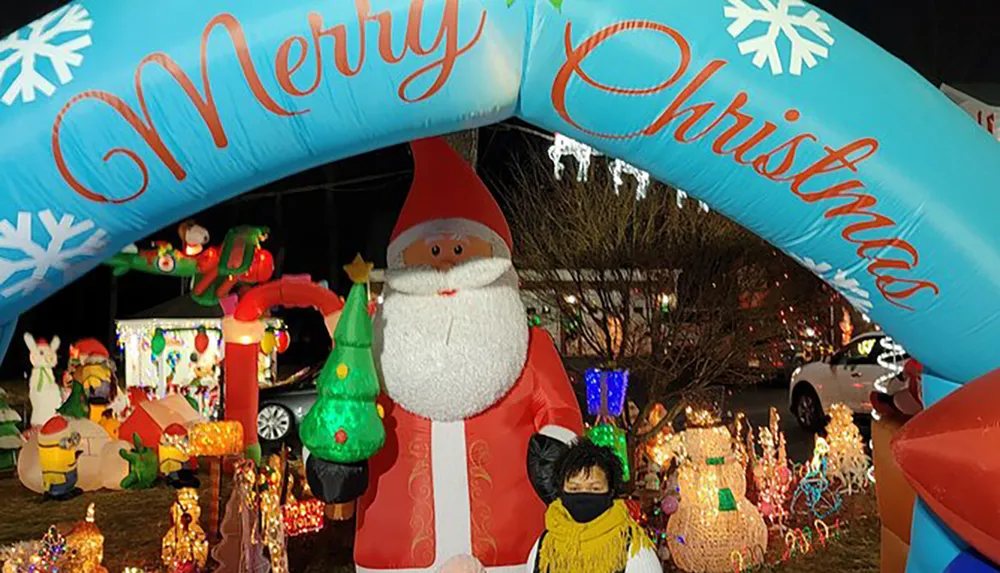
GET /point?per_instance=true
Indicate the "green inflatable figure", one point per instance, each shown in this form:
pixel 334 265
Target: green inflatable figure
pixel 143 466
pixel 76 405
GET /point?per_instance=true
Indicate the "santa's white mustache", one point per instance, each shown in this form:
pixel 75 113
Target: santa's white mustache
pixel 425 280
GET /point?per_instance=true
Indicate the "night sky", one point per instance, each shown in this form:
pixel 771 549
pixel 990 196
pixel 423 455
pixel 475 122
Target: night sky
pixel 324 216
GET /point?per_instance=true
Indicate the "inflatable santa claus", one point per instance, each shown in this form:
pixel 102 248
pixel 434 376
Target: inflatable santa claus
pixel 477 404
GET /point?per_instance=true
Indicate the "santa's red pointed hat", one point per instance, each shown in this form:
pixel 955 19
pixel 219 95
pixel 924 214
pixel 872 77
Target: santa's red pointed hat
pixel 89 350
pixel 950 453
pixel 447 197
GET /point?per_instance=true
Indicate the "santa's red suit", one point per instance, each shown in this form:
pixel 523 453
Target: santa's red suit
pixel 443 489
pixel 470 392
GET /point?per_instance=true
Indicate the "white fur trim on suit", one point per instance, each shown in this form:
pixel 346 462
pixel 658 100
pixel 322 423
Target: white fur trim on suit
pixel 243 332
pixel 564 435
pixel 450 476
pixel 456 226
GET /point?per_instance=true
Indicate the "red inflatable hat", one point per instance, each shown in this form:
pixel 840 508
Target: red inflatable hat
pixel 447 196
pixel 89 347
pixel 55 425
pixel 950 453
pixel 175 430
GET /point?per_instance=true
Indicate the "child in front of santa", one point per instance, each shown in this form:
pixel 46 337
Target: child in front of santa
pixel 588 530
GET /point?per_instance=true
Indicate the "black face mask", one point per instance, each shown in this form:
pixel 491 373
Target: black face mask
pixel 586 507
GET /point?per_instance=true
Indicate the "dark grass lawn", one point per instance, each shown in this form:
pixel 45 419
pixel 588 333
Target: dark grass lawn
pixel 134 523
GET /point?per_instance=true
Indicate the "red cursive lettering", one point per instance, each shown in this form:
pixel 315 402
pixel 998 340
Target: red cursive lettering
pixel 838 167
pixel 289 60
pixel 144 125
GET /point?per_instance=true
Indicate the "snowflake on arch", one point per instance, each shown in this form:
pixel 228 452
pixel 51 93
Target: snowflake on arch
pixel 781 21
pixel 36 42
pixel 26 273
pixel 841 281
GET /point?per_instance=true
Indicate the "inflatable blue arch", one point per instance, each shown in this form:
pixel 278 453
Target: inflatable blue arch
pixel 119 118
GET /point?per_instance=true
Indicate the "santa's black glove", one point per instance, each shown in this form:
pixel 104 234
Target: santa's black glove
pixel 543 453
pixel 336 483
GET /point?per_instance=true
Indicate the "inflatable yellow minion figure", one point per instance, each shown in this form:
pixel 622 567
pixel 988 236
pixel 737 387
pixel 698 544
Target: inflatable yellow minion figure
pixel 175 461
pixel 58 452
pixel 97 380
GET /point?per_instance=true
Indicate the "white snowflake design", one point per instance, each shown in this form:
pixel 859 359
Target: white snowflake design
pixel 778 16
pixel 27 50
pixel 848 287
pixel 39 259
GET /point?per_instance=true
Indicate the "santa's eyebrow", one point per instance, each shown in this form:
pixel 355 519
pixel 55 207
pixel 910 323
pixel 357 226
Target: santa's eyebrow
pixel 444 237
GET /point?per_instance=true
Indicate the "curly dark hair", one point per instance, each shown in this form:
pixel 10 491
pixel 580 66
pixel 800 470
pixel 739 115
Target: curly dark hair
pixel 582 456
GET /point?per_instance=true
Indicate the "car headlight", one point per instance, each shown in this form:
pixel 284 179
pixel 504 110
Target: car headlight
pixel 796 372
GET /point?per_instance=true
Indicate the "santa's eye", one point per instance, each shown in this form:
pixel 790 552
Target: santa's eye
pixel 435 250
pixel 458 249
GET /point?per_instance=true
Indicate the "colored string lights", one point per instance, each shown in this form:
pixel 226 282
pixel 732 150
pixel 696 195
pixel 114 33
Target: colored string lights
pixel 771 473
pixel 302 517
pixel 221 438
pixel 87 543
pixel 848 463
pixel 814 488
pixel 714 518
pixel 185 544
pixel 272 519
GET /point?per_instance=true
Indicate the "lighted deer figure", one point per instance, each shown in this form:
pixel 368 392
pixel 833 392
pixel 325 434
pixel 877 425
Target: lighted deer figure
pixel 43 388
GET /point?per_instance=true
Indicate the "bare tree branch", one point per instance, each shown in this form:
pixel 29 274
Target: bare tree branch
pixel 608 262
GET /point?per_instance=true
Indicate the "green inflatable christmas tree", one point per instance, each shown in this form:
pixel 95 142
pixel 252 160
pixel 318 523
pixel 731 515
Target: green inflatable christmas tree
pixel 345 424
pixel 10 436
pixel 76 405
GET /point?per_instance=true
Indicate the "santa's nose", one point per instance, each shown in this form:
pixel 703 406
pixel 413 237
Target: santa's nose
pixel 444 264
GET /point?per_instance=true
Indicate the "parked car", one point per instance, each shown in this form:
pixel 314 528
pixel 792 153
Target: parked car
pixel 282 407
pixel 847 377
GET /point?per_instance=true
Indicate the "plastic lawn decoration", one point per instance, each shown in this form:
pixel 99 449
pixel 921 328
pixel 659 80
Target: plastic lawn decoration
pixel 345 425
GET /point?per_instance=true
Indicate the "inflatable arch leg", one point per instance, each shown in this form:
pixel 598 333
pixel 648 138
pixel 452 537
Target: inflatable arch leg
pixel 244 330
pixel 773 113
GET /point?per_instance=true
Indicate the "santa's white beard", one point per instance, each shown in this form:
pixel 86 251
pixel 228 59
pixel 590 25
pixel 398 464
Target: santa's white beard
pixel 448 358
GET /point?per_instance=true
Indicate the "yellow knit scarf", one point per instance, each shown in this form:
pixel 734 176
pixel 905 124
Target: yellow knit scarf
pixel 596 547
